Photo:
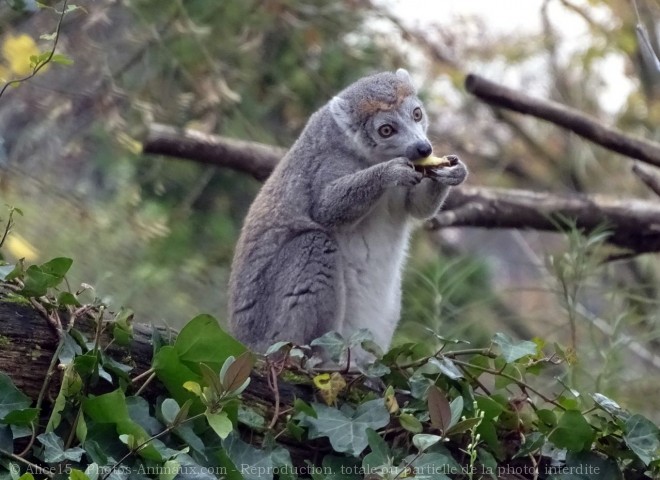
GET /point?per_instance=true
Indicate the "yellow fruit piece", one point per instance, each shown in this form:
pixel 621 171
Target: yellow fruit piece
pixel 432 161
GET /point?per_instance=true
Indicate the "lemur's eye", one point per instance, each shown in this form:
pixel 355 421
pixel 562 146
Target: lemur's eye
pixel 386 131
pixel 417 114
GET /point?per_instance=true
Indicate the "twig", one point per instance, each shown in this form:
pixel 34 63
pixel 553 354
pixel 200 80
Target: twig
pixel 272 383
pixel 518 382
pixel 47 59
pixel 33 466
pixel 565 117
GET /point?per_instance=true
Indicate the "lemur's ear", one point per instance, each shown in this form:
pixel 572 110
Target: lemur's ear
pixel 341 113
pixel 403 74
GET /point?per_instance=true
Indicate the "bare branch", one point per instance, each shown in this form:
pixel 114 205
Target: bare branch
pixel 257 159
pixel 635 224
pixel 573 120
pixel 650 178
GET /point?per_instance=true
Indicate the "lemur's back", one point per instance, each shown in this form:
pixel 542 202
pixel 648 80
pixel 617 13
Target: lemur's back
pixel 324 242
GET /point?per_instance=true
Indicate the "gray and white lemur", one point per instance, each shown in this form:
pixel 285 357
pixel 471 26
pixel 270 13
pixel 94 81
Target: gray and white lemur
pixel 325 240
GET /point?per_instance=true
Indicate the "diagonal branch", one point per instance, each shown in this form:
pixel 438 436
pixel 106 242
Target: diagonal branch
pixel 568 118
pixel 635 224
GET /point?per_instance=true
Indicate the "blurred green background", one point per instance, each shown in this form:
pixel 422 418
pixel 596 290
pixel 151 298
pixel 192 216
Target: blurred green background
pixel 157 234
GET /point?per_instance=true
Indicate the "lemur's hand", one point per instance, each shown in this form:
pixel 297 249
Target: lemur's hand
pixel 452 175
pixel 401 172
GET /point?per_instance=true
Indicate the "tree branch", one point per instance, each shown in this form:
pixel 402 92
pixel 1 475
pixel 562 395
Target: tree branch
pixel 635 224
pixel 565 117
pixel 257 159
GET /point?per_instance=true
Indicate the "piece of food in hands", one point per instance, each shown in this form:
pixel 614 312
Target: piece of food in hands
pixel 430 164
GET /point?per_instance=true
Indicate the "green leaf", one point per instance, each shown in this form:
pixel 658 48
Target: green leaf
pixel 446 367
pixel 220 423
pixel 346 429
pixel 410 423
pixel 456 408
pixel 333 343
pixel 203 341
pixel 67 298
pixel 10 397
pixel 489 406
pixel 75 474
pixel 463 426
pixel 25 416
pixel 513 351
pixel 54 449
pixel 432 466
pixel 380 452
pixel 57 267
pixel 122 330
pixel 585 466
pixel 423 441
pixel 250 417
pixel 112 408
pixel 573 432
pixel 173 374
pixel 610 406
pixel 169 409
pixel 258 463
pixel 439 409
pixel 61 59
pixel 643 438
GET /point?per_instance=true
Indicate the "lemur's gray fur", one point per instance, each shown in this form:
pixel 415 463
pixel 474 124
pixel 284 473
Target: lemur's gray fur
pixel 324 242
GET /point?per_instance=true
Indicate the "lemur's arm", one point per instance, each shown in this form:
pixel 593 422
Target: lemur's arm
pixel 347 198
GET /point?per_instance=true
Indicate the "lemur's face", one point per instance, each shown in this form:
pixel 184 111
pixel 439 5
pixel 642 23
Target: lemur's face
pixel 397 132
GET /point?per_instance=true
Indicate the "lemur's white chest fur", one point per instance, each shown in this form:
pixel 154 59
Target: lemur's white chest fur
pixel 373 251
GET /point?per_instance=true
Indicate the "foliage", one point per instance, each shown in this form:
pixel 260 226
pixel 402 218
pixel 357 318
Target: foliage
pixel 459 413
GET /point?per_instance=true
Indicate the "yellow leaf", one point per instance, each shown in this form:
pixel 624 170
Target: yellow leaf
pixel 193 387
pixel 330 385
pixel 17 51
pixel 21 248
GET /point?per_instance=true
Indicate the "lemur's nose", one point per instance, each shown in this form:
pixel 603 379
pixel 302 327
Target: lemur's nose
pixel 424 149
pixel 420 149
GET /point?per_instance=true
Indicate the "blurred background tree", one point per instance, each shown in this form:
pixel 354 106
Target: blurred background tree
pixel 157 234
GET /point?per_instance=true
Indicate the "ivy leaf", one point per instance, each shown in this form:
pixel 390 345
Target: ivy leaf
pixel 609 405
pixel 54 449
pixel 533 442
pixel 347 432
pixel 573 432
pixel 463 426
pixel 259 462
pixel 202 340
pixel 333 343
pixel 111 408
pixel 11 398
pixel 513 351
pixel 446 367
pixel 439 409
pixel 380 452
pixel 643 438
pixel 456 407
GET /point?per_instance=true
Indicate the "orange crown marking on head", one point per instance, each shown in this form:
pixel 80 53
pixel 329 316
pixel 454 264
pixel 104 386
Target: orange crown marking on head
pixel 369 107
